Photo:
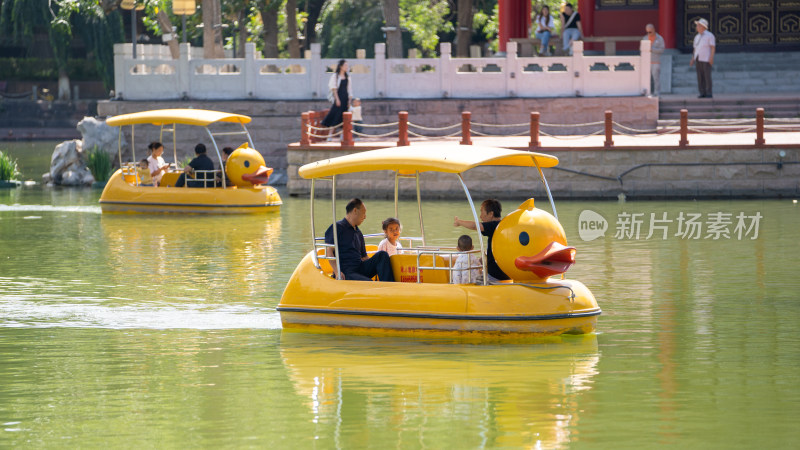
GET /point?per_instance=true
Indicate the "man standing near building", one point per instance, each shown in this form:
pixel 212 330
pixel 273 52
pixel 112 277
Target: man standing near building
pixel 703 56
pixel 656 49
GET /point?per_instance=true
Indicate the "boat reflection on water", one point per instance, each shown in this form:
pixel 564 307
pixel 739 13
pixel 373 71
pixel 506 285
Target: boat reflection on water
pixel 232 255
pixel 433 392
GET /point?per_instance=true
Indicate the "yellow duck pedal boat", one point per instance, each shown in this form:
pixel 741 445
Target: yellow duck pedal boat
pixel 529 245
pixel 242 189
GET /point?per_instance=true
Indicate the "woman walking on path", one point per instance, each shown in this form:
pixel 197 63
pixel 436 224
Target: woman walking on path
pixel 339 95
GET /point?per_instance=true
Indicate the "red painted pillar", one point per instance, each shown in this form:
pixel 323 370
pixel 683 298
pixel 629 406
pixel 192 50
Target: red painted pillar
pixel 586 9
pixel 304 129
pixel 666 22
pixel 514 20
pixel 684 128
pixel 466 117
pixel 402 130
pixel 760 127
pixel 534 144
pixel 609 128
pixel 347 129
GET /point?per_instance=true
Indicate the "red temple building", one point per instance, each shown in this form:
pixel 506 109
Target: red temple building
pixel 738 25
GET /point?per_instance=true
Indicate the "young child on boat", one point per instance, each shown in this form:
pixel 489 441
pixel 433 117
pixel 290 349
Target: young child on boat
pixel 465 269
pixel 391 229
pixel 491 214
pixel 145 179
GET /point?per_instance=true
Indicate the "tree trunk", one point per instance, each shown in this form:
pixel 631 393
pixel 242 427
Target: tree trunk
pixel 269 16
pixel 63 84
pixel 313 8
pixel 291 27
pixel 212 31
pixel 464 33
pixel 242 39
pixel 394 41
pixel 166 28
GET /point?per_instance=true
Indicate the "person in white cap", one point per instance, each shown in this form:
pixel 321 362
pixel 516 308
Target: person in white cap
pixel 703 57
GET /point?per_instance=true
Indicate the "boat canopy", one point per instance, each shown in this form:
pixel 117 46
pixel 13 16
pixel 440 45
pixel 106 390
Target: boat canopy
pixel 198 117
pixel 426 158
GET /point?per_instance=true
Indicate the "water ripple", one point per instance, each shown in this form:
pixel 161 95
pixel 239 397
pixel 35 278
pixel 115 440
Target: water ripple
pixel 49 208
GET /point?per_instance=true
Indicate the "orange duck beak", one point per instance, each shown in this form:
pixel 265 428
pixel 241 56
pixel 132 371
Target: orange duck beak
pixel 553 260
pixel 260 176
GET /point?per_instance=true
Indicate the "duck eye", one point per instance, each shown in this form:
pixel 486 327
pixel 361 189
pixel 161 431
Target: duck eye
pixel 247 163
pixel 524 239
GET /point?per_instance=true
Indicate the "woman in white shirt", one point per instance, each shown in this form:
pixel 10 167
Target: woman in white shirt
pixel 342 91
pixel 156 163
pixel 544 29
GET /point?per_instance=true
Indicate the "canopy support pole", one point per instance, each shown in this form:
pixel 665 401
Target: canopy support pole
pixel 477 228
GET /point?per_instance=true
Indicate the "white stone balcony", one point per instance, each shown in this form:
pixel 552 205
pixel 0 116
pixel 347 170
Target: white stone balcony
pixel 154 75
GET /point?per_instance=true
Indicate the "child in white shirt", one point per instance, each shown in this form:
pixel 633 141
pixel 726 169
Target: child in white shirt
pixel 462 273
pixel 355 108
pixel 391 228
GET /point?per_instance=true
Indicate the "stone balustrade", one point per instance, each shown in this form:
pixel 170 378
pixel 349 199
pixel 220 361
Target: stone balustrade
pixel 154 75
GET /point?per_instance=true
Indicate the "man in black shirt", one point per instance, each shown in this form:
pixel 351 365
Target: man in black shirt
pixel 353 258
pixel 491 214
pixel 200 162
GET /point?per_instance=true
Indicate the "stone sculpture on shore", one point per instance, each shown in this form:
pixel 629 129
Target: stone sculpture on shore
pixel 68 163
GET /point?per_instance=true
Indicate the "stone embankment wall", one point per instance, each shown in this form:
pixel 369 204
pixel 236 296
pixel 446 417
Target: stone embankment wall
pixel 645 174
pixel 276 124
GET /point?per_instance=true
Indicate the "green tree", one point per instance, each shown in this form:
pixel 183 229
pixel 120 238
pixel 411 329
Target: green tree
pixel 348 25
pixel 96 21
pixel 425 20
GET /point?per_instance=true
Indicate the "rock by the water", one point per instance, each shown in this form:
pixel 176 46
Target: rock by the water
pixel 95 132
pixel 68 165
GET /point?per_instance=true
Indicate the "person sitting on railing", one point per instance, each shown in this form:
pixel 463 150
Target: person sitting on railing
pixel 465 269
pixel 571 29
pixel 201 162
pixel 544 29
pixel 490 217
pixel 353 259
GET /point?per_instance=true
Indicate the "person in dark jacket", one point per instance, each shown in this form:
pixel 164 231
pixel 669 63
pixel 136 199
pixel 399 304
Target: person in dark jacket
pixel 200 162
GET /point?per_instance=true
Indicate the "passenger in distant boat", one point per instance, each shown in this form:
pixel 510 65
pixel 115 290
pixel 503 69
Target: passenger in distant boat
pixel 226 152
pixel 200 162
pixel 391 229
pixel 145 179
pixel 353 259
pixel 490 217
pixel 156 162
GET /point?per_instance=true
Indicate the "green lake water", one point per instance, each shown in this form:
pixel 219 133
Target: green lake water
pixel 161 331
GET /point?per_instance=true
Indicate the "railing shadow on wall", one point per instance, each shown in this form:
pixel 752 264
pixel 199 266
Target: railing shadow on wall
pixel 154 75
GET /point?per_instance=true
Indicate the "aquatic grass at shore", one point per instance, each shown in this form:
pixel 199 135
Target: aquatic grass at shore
pixel 8 168
pixel 99 163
